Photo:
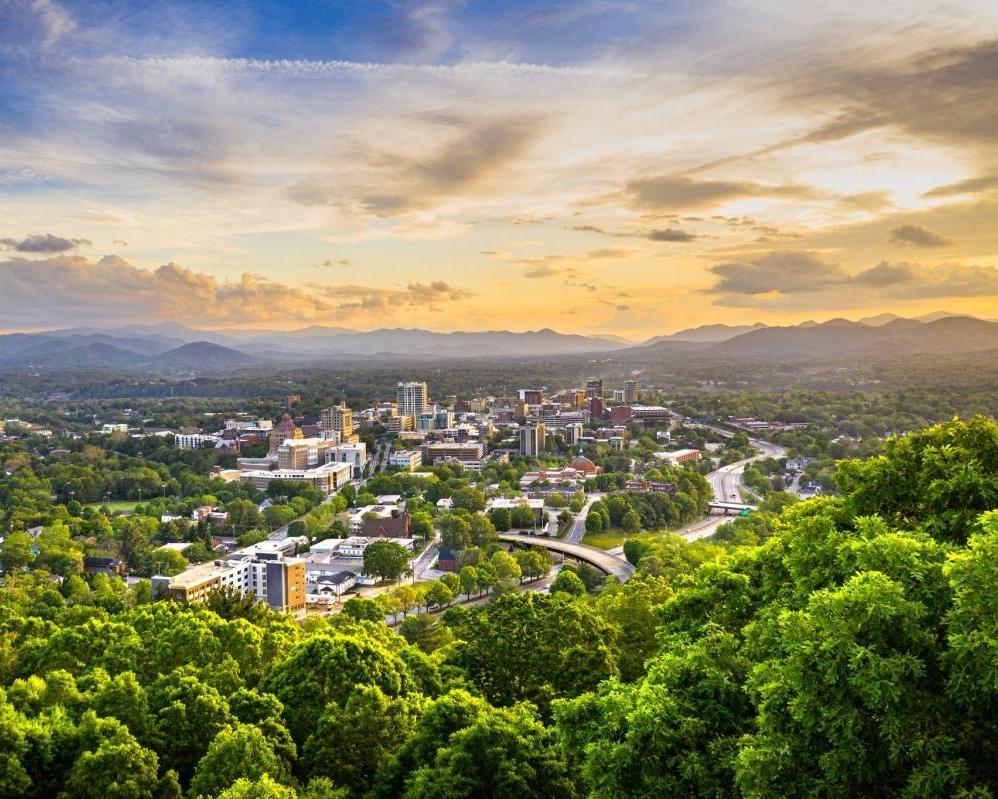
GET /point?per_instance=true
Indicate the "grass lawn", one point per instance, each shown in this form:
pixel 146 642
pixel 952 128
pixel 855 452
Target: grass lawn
pixel 116 504
pixel 611 539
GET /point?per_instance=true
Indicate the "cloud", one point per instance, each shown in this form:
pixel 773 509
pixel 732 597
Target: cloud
pixel 471 161
pixel 330 262
pixel 919 236
pixel 796 279
pixel 608 252
pixel 943 95
pixel 782 272
pixel 34 23
pixel 570 265
pixel 71 289
pixel 671 235
pixel 429 296
pixel 677 192
pixel 915 281
pixel 43 243
pixel 868 201
pixel 667 234
pixel 544 270
pixel 976 185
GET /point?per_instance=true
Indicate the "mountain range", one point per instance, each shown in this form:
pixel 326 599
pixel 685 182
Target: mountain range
pixel 170 346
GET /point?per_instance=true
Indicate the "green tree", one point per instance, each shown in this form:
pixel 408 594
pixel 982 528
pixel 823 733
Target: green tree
pixel 531 647
pixel 468 498
pixel 263 788
pixel 469 580
pixel 503 753
pixel 568 582
pixel 386 559
pixel 351 741
pixel 438 594
pixel 239 752
pixel 17 551
pixel 425 631
pixel 119 768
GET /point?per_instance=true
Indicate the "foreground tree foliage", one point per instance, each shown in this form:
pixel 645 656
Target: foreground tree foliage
pixel 852 654
pixel 847 648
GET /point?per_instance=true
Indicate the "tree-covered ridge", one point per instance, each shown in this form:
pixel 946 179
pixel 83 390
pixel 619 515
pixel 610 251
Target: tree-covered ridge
pixel 851 652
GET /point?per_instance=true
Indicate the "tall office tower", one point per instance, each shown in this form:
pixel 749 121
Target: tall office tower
pixel 532 439
pixel 594 388
pixel 573 432
pixel 412 399
pixel 630 392
pixel 339 418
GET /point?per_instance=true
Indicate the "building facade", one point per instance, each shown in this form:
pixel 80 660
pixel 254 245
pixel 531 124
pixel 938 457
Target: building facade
pixel 412 399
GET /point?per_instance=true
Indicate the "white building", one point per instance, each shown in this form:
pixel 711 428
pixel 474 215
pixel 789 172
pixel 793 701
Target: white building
pixel 679 456
pixel 353 454
pixel 193 440
pixel 406 459
pixel 327 478
pixel 412 399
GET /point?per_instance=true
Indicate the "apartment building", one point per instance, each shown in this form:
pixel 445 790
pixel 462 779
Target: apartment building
pixel 338 419
pixel 272 577
pixel 532 439
pixel 412 399
pixel 400 423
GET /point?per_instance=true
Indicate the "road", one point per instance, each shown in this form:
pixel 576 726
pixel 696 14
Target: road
pixel 602 560
pixel 578 528
pixel 726 483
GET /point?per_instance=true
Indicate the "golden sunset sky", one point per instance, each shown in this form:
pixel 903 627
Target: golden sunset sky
pixel 602 166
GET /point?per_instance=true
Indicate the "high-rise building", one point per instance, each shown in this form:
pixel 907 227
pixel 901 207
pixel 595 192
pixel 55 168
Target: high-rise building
pixel 283 430
pixel 573 432
pixel 532 439
pixel 630 392
pixel 339 418
pixel 594 388
pixel 412 399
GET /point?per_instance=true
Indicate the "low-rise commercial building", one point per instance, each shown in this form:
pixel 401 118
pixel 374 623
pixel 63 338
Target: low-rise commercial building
pixel 408 459
pixel 469 453
pixel 328 478
pixel 679 456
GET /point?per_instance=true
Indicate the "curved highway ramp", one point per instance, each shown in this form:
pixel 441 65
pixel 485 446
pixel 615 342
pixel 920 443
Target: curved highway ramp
pixel 602 560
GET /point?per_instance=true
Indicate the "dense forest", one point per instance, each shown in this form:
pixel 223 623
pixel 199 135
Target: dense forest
pixel 847 650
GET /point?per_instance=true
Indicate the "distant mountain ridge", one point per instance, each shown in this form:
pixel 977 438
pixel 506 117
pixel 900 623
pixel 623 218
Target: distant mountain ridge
pixel 170 346
pixel 839 338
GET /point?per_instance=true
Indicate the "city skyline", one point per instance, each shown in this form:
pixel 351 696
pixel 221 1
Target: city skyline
pixel 606 167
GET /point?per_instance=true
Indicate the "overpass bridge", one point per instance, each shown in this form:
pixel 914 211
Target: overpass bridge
pixel 727 508
pixel 602 560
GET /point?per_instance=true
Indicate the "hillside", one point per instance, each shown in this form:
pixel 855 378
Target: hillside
pixel 839 338
pixel 203 355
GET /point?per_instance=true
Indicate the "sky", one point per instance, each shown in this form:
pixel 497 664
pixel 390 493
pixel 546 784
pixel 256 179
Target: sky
pixel 606 167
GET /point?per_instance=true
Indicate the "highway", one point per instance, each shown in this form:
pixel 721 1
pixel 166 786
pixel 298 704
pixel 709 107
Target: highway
pixel 606 562
pixel 726 483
